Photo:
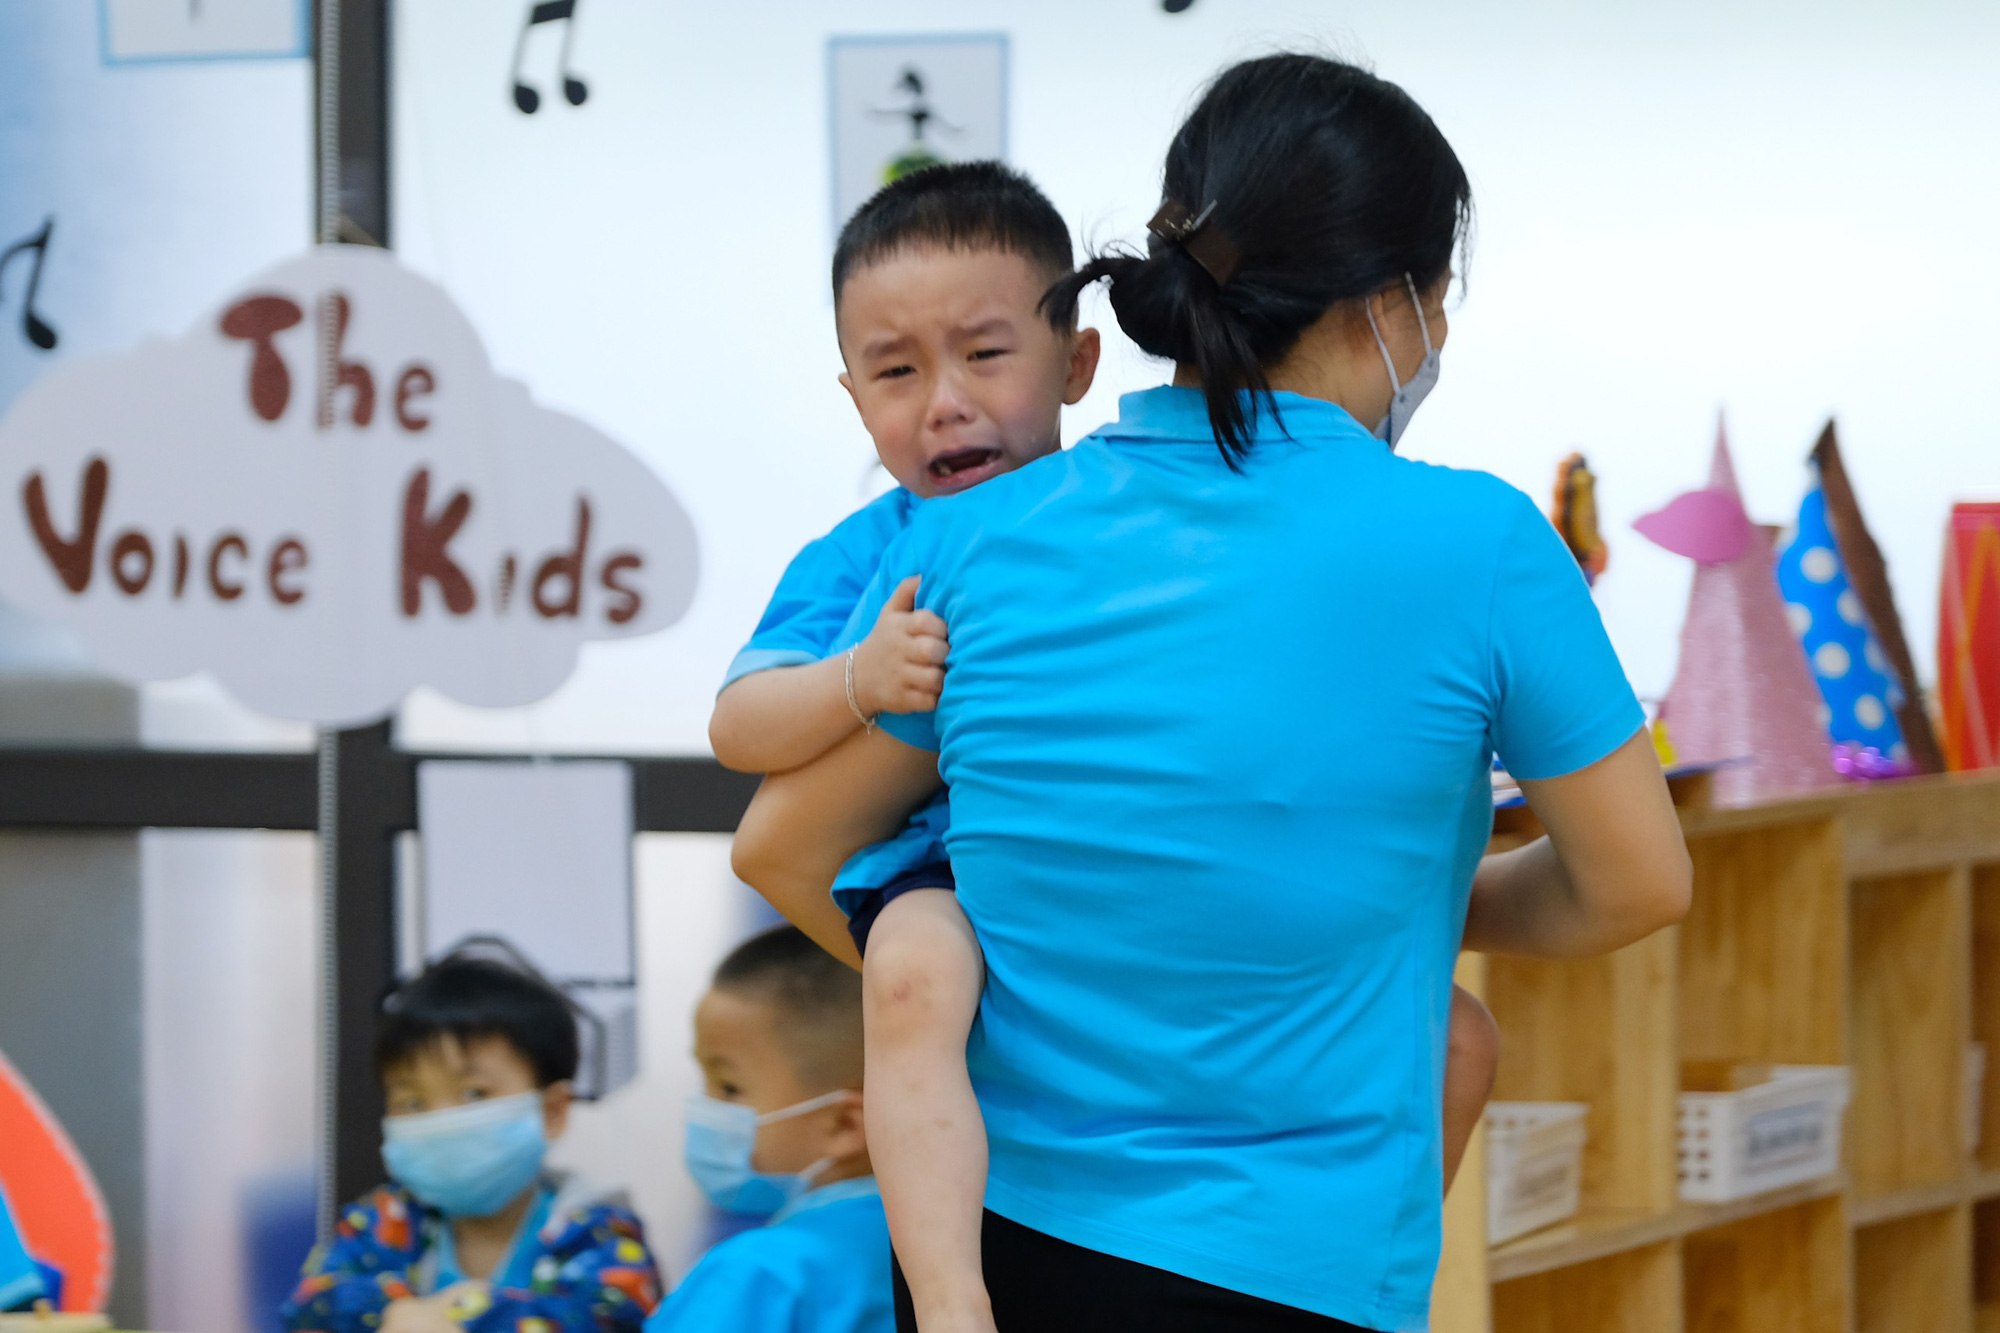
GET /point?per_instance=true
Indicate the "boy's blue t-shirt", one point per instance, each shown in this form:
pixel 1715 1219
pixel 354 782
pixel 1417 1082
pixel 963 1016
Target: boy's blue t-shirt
pixel 821 1266
pixel 818 590
pixel 804 623
pixel 1219 748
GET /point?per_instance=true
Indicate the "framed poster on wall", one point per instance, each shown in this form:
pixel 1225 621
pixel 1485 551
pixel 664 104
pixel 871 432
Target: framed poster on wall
pixel 899 104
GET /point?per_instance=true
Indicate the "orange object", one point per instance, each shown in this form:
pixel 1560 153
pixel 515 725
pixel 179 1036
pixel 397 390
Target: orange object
pixel 55 1199
pixel 1574 514
pixel 1969 639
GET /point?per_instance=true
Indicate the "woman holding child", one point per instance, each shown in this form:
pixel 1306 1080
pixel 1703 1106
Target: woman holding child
pixel 1224 685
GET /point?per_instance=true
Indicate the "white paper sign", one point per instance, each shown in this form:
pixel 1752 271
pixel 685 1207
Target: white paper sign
pixel 903 103
pixel 539 854
pixel 203 29
pixel 325 496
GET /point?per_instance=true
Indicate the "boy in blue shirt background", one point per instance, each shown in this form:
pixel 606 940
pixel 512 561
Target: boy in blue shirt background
pixel 779 1134
pixel 474 1234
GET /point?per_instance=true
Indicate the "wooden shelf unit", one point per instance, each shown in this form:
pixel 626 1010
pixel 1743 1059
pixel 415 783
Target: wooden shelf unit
pixel 1859 928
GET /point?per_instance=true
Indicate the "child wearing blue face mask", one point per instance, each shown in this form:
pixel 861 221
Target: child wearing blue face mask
pixel 475 1235
pixel 778 1134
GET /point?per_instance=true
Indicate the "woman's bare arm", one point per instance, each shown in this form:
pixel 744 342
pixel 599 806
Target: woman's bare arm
pixel 1613 869
pixel 803 825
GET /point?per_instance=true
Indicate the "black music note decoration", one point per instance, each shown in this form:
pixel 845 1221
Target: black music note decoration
pixel 548 11
pixel 33 326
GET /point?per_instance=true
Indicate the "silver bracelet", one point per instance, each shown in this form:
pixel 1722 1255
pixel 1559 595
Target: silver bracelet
pixel 866 720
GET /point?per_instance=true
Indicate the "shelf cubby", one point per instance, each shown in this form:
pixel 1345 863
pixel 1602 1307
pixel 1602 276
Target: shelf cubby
pixel 1986 1267
pixel 1599 1031
pixel 1786 1269
pixel 1911 1005
pixel 1985 909
pixel 1638 1291
pixel 1915 1274
pixel 1763 952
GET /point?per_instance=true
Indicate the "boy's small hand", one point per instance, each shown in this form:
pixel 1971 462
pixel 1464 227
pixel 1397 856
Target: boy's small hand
pixel 899 667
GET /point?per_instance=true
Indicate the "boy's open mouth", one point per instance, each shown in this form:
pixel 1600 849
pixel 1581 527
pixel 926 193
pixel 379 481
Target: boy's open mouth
pixel 962 467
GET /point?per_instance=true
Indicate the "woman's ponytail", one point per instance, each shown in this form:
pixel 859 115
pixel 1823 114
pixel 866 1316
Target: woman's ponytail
pixel 1297 183
pixel 1172 307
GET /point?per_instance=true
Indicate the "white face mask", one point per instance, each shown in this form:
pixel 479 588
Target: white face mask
pixel 1406 398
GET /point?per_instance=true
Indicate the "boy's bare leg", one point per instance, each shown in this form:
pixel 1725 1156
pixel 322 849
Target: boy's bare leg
pixel 920 988
pixel 1472 1058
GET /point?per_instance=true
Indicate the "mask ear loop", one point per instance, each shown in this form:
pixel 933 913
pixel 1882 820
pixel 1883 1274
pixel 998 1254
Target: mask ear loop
pixel 834 1098
pixel 1423 324
pixel 1395 385
pixel 824 1100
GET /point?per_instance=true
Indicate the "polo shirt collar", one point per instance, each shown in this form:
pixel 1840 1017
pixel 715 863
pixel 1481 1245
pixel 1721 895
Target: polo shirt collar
pixel 1171 413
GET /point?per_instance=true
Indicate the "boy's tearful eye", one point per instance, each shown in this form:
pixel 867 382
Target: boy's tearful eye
pixel 988 353
pixel 896 372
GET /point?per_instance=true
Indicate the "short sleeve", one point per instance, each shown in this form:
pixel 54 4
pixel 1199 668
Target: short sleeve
pixel 898 563
pixel 1561 701
pixel 814 596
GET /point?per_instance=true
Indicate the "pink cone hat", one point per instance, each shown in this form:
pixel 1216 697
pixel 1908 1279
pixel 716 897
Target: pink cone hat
pixel 1743 694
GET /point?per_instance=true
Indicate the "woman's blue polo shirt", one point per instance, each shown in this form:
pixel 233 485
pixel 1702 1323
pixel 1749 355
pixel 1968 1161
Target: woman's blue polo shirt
pixel 1218 748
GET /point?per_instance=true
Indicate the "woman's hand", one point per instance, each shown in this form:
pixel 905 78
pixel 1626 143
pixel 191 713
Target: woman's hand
pixel 1613 869
pixel 899 667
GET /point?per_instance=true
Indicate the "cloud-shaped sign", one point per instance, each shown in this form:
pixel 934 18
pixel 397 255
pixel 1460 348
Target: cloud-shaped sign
pixel 324 495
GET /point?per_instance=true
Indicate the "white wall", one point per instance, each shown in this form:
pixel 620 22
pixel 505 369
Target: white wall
pixel 1783 210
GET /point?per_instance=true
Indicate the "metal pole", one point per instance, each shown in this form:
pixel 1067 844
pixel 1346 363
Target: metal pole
pixel 326 229
pixel 364 787
pixel 358 779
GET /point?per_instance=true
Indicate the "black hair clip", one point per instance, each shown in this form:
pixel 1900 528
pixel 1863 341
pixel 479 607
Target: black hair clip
pixel 1209 246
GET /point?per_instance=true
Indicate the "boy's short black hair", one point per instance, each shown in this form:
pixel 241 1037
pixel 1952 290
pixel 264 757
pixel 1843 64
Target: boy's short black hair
pixel 817 997
pixel 956 206
pixel 465 997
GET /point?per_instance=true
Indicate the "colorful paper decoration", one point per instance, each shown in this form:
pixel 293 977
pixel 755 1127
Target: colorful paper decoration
pixel 1742 696
pixel 1868 573
pixel 1969 639
pixel 55 1199
pixel 1575 516
pixel 1847 661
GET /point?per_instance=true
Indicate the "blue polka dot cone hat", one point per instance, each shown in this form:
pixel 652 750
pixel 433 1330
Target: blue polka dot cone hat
pixel 1854 677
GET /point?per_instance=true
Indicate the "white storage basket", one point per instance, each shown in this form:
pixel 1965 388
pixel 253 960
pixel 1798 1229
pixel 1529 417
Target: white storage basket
pixel 1534 1165
pixel 1735 1144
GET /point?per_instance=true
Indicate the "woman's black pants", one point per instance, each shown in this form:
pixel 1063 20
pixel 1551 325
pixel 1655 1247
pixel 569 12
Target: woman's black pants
pixel 1043 1285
